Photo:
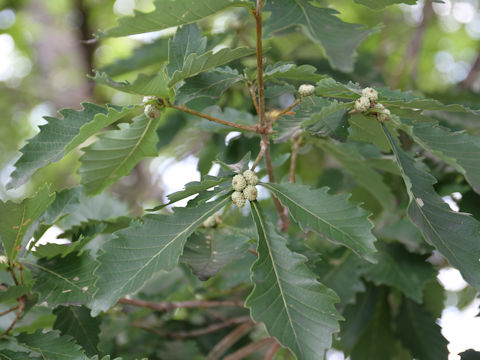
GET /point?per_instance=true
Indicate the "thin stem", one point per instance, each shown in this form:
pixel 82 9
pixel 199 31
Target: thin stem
pixel 249 349
pixel 21 304
pixel 261 96
pixel 253 252
pixel 169 306
pixel 251 89
pixel 214 119
pixel 287 109
pixel 14 277
pixel 472 74
pixel 260 154
pixel 9 310
pixel 272 350
pixel 209 329
pixel 229 340
pixel 293 159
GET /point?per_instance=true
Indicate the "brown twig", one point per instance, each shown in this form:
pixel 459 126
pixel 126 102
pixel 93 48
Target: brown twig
pixel 21 304
pixel 260 154
pixel 169 306
pixel 251 89
pixel 12 272
pixel 249 349
pixel 209 329
pixel 229 340
pixel 261 95
pixel 288 108
pixel 472 74
pixel 272 350
pixel 217 120
pixel 9 310
pixel 293 159
pixel 253 252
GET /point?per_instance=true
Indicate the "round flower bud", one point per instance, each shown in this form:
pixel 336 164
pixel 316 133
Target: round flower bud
pixel 250 177
pixel 210 222
pixel 250 193
pixel 3 259
pixel 362 104
pixel 383 116
pixel 238 182
pixel 379 107
pixel 306 90
pixel 238 198
pixel 370 93
pixel 151 111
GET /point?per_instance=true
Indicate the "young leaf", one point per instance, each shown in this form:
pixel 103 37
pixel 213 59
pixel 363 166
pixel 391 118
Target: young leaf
pixel 16 219
pixel 170 13
pixel 293 72
pixel 66 281
pixel 195 63
pixel 295 308
pixel 320 25
pixel 331 120
pixel 59 136
pixel 116 152
pixel 144 249
pixel 209 250
pixel 332 216
pixel 50 345
pixel 418 332
pixel 143 85
pixel 399 268
pixel 76 322
pixel 352 161
pixel 455 235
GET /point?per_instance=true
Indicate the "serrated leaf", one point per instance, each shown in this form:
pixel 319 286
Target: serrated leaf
pixel 144 249
pixel 331 121
pixel 332 216
pixel 455 235
pixel 330 88
pixel 293 72
pixel 77 322
pixel 50 345
pixel 116 152
pixel 195 63
pixel 397 267
pixel 380 4
pixel 66 202
pixel 367 129
pixel 210 84
pixel 156 84
pixel 469 354
pixel 17 218
pixel 339 39
pixel 170 13
pixel 16 355
pixel 187 40
pixel 293 305
pixel 60 136
pixel 418 332
pixel 13 292
pixel 207 251
pixel 64 281
pixel 352 161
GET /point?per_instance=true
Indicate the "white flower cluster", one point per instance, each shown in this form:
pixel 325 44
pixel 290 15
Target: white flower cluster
pixel 368 101
pixel 244 186
pixel 152 110
pixel 212 221
pixel 306 90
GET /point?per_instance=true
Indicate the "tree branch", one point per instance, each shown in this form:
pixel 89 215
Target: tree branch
pixel 169 306
pixel 472 74
pixel 261 95
pixel 251 89
pixel 249 349
pixel 229 340
pixel 21 304
pixel 9 310
pixel 293 159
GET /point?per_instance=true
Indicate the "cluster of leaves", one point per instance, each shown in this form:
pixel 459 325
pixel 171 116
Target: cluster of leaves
pixel 330 273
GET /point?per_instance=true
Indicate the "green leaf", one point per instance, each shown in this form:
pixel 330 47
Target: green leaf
pixel 50 345
pixel 60 136
pixel 195 63
pixel 16 355
pixel 187 40
pixel 116 152
pixel 66 202
pixel 367 129
pixel 399 268
pixel 332 216
pixel 339 39
pixel 330 88
pixel 470 354
pixel 66 281
pixel 207 251
pixel 144 249
pixel 147 85
pixel 455 235
pixel 293 305
pixel 352 161
pixel 380 4
pixel 170 13
pixel 284 71
pixel 210 84
pixel 13 292
pixel 331 121
pixel 16 219
pixel 419 333
pixel 77 322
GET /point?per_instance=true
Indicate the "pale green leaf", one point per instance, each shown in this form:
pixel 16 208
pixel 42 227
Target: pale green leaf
pixel 331 121
pixel 295 308
pixel 151 245
pixel 454 234
pixel 195 63
pixel 419 332
pixel 116 152
pixel 16 219
pixel 321 25
pixel 285 71
pixel 397 267
pixel 77 322
pixel 367 129
pixel 60 136
pixel 207 251
pixel 380 4
pixel 66 281
pixel 50 345
pixel 170 13
pixel 352 161
pixel 330 88
pixel 332 216
pixel 146 85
